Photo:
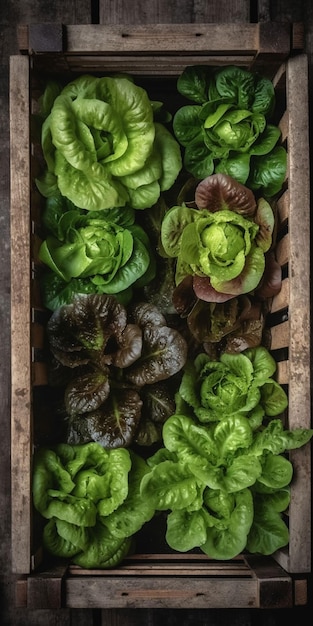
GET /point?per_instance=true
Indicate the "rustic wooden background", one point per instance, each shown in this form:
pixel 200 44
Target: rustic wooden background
pixel 13 12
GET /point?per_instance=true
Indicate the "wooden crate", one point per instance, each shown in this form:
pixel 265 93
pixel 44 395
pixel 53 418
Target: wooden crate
pixel 161 52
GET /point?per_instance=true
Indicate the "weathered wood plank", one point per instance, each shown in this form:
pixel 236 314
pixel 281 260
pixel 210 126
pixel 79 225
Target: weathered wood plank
pixel 160 592
pixel 282 372
pixel 170 38
pixel 274 579
pixel 299 306
pixel 143 65
pixel 283 207
pixel 21 445
pixel 280 336
pixel 142 12
pixel 281 301
pixel 283 250
pixel 45 590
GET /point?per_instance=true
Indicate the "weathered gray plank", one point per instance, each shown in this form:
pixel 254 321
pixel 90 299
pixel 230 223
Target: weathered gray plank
pixel 21 428
pixel 160 592
pixel 163 12
pixel 299 290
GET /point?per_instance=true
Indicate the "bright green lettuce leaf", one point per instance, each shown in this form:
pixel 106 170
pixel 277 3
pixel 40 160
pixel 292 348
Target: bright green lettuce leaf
pixel 172 227
pixel 237 384
pixel 144 196
pixel 48 148
pixel 52 487
pixel 229 542
pixel 110 250
pixel 276 439
pixel 213 111
pixel 106 483
pixel 232 433
pixel 60 546
pixel 132 105
pixel 91 188
pixel 150 173
pixel 172 485
pixel 277 471
pixel 192 443
pixel 134 511
pixel 46 100
pixel 186 530
pixel 273 398
pixel 264 365
pixel 169 149
pixel 78 535
pixel 84 86
pixel 268 532
pixel 98 136
pixel 104 550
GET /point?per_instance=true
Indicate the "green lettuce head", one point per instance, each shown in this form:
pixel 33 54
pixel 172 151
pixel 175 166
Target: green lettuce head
pixel 102 147
pixel 90 497
pixel 236 384
pixel 91 244
pixel 221 242
pixel 224 485
pixel 226 129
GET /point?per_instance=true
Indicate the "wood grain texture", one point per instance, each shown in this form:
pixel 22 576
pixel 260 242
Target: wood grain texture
pixel 21 428
pixel 164 12
pixel 299 307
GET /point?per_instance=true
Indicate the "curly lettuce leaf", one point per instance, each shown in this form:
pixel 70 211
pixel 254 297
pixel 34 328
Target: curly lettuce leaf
pixel 186 530
pixel 226 129
pixel 171 485
pixel 134 510
pixel 268 532
pixel 104 550
pixel 227 543
pixel 52 492
pixel 63 539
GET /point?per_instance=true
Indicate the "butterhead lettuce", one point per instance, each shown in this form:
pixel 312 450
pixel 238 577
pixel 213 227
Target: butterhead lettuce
pixel 221 240
pixel 102 147
pixel 79 490
pixel 224 485
pixel 227 127
pixel 235 384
